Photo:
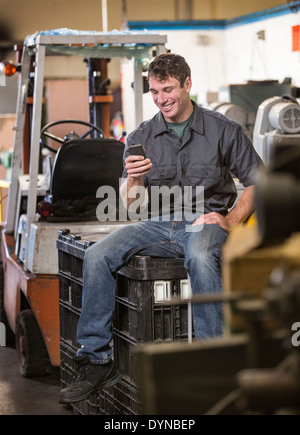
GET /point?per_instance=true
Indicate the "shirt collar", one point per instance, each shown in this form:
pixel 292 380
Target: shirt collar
pixel 197 122
pixel 160 125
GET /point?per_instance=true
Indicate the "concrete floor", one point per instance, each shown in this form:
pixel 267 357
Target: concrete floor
pixel 25 396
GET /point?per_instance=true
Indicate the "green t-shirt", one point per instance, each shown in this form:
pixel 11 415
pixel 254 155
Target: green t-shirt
pixel 180 127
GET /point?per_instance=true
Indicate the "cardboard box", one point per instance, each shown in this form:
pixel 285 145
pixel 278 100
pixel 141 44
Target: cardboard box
pixel 247 266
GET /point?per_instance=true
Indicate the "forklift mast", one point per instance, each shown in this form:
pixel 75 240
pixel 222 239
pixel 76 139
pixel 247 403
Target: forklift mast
pixel 98 48
pixel 99 97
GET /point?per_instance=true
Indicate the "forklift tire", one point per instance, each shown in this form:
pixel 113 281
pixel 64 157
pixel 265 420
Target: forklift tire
pixel 30 346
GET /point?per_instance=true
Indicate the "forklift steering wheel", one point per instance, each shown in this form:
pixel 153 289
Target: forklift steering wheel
pixel 69 136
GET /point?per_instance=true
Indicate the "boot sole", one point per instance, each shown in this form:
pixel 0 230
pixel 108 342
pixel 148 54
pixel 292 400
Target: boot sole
pixel 106 384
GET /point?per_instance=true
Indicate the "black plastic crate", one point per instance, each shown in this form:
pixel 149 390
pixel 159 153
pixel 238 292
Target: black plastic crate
pixel 121 399
pixel 70 303
pixel 71 249
pixel 70 291
pixel 140 317
pixel 144 286
pixel 144 267
pixel 68 317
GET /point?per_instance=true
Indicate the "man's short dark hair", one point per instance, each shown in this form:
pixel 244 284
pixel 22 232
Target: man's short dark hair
pixel 169 64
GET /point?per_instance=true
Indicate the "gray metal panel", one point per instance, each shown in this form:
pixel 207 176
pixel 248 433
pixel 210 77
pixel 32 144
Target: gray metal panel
pixel 102 45
pixel 251 96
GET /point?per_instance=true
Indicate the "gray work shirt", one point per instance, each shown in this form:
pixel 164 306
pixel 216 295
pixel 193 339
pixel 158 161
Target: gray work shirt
pixel 212 149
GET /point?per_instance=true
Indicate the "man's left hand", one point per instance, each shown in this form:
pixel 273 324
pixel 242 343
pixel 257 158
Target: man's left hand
pixel 213 218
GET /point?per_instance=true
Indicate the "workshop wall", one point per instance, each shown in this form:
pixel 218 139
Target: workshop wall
pixel 220 9
pixel 23 18
pixel 257 50
pixel 217 55
pixel 252 47
pixel 262 50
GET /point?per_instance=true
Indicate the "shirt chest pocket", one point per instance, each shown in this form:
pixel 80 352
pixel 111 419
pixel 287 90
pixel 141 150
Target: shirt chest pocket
pixel 203 174
pixel 160 175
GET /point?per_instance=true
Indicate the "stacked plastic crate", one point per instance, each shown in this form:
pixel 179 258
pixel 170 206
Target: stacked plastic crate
pixel 141 315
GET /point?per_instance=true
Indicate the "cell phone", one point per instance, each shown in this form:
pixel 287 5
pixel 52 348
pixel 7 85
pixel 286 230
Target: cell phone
pixel 137 150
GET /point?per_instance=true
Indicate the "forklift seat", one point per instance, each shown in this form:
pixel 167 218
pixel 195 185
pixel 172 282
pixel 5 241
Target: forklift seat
pixel 82 166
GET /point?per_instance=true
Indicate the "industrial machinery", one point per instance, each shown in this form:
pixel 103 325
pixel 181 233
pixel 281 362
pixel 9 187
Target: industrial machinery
pixel 235 113
pixel 277 121
pixel 251 94
pixel 85 160
pixel 277 141
pixel 277 390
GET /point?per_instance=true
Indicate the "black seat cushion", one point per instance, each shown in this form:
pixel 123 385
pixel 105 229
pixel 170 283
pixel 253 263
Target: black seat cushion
pixel 83 165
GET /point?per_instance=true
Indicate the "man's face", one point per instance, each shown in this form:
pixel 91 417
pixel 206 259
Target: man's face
pixel 171 99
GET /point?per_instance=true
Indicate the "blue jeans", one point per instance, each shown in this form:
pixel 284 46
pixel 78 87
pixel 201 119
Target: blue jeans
pixel 201 250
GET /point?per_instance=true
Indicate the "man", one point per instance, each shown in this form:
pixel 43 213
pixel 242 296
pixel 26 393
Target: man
pixel 186 147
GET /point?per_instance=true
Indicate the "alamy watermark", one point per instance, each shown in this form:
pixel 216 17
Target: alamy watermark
pixel 2 77
pixel 2 334
pixel 184 203
pixel 296 336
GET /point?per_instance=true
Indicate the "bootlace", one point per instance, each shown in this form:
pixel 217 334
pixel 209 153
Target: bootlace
pixel 83 363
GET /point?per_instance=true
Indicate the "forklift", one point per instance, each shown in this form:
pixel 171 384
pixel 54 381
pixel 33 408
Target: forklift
pixel 45 186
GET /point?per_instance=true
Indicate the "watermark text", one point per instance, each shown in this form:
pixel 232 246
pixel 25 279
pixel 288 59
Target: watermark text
pixel 2 334
pixel 296 335
pixel 185 203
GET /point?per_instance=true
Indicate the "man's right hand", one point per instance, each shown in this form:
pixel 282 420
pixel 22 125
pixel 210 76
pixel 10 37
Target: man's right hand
pixel 137 166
